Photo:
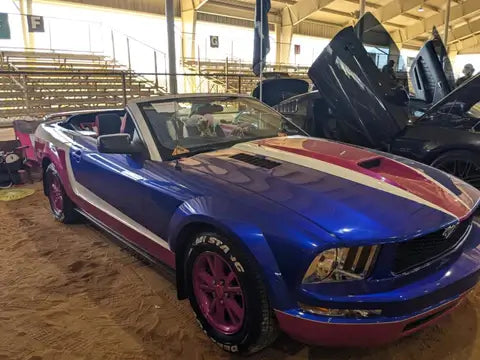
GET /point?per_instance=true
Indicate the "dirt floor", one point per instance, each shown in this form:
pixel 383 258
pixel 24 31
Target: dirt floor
pixel 69 292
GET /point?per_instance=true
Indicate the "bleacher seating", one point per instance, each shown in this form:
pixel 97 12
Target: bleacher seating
pixel 239 74
pixel 39 83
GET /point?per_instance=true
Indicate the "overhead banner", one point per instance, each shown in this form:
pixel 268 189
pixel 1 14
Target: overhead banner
pixel 4 27
pixel 261 44
pixel 35 23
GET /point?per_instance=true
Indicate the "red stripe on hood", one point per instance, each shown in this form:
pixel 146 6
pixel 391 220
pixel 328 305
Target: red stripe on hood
pixel 388 170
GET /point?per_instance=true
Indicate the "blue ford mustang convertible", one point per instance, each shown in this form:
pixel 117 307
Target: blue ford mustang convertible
pixel 267 229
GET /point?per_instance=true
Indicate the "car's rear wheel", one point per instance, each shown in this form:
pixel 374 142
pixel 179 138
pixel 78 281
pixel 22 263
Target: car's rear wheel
pixel 462 164
pixel 227 295
pixel 62 207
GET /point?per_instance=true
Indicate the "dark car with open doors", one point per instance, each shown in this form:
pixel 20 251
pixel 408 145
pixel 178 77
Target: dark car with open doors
pixel 356 102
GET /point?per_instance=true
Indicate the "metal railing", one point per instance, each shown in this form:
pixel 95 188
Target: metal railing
pixel 37 93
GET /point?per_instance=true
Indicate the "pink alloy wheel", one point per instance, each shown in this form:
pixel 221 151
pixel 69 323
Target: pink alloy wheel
pixel 55 194
pixel 218 293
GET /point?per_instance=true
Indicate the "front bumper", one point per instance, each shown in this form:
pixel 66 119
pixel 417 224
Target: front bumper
pixel 405 309
pixel 319 330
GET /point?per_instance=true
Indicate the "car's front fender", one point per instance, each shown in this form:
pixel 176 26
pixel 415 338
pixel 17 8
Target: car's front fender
pixel 248 236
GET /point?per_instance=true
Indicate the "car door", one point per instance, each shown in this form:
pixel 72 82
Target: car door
pixel 128 186
pixel 431 73
pixel 370 106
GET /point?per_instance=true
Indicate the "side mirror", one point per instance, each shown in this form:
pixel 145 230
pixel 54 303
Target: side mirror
pixel 117 144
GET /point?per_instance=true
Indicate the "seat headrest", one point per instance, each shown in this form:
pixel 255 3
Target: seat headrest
pixel 107 124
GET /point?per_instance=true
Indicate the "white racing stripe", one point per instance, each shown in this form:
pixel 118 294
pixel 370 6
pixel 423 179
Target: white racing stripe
pixel 61 141
pixel 335 170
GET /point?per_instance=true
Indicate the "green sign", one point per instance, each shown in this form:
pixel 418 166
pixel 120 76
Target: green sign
pixel 4 27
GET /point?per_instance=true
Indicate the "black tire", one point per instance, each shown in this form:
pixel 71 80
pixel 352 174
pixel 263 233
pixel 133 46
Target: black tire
pixel 64 211
pixel 259 328
pixel 463 164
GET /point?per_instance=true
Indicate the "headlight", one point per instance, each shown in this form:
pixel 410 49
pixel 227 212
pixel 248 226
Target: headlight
pixel 341 264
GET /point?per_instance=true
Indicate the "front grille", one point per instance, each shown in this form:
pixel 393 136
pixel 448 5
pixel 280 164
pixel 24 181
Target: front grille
pixel 416 252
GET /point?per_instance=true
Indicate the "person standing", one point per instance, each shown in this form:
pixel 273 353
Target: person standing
pixel 389 69
pixel 468 71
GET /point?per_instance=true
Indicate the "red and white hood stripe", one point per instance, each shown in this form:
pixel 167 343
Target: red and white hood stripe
pixel 364 167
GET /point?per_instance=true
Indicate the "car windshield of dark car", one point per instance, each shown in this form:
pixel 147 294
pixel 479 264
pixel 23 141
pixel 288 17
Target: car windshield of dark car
pixel 182 127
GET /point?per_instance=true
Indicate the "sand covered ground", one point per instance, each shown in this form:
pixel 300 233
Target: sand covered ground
pixel 69 292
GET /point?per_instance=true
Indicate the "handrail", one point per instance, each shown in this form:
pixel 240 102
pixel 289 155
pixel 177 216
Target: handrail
pixel 29 49
pixel 116 73
pixel 139 41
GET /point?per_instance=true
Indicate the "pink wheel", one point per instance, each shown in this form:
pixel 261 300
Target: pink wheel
pixel 55 195
pixel 62 207
pixel 227 294
pixel 218 292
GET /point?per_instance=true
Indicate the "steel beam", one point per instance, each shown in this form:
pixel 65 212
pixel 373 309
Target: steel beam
pixel 457 11
pixel 396 8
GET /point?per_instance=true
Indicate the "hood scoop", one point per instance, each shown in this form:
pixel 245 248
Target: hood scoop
pixel 370 163
pixel 255 160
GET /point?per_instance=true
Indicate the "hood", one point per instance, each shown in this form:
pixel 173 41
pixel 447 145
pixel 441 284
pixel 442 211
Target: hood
pixel 431 72
pixel 277 90
pixel 372 107
pixel 354 194
pixel 459 101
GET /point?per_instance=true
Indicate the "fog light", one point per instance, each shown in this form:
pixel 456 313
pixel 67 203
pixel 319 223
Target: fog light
pixel 350 313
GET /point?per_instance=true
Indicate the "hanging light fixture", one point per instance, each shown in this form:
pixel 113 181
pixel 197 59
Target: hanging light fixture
pixel 421 9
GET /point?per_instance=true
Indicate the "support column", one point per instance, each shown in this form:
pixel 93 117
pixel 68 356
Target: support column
pixel 26 9
pixel 189 22
pixel 285 43
pixel 447 22
pixel 172 61
pixel 362 8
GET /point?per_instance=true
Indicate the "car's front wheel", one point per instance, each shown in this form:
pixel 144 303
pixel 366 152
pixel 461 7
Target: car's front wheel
pixel 227 295
pixel 462 164
pixel 62 207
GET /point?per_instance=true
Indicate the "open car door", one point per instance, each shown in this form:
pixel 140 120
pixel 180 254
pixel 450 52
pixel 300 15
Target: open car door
pixel 369 105
pixel 431 72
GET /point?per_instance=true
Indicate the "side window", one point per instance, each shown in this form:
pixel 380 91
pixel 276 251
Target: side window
pixel 296 110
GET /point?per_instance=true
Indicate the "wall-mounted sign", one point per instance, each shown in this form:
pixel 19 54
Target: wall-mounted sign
pixel 297 49
pixel 214 41
pixel 35 23
pixel 4 27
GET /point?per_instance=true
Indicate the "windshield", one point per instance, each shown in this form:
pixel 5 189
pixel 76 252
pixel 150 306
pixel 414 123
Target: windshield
pixel 186 126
